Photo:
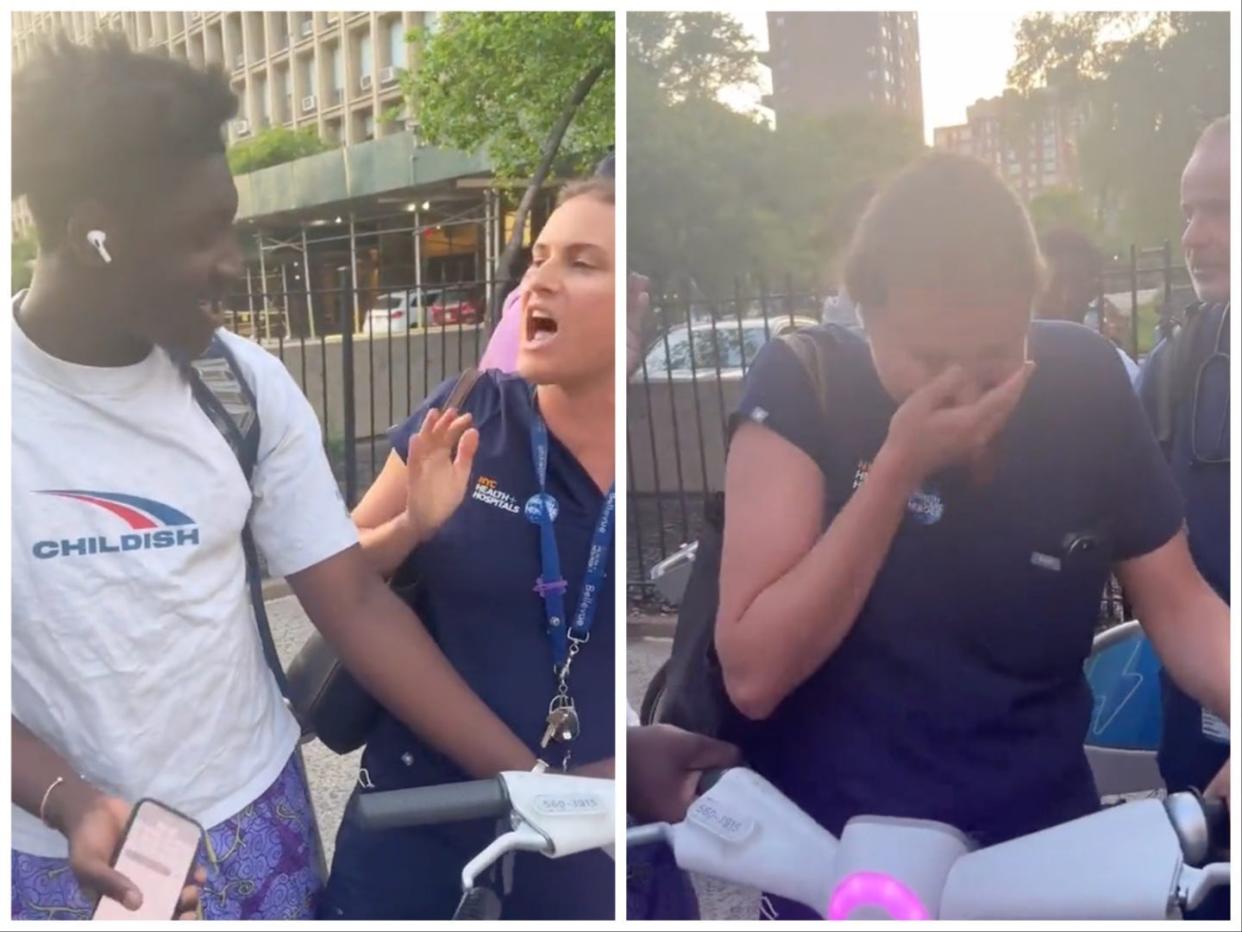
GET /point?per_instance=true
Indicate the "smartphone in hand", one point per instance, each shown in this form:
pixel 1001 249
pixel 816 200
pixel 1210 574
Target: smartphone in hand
pixel 157 853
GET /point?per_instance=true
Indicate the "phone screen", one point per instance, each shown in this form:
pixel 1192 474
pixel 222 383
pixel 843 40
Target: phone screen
pixel 157 854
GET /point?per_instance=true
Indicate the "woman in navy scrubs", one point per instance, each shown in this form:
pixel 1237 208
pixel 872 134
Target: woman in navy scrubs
pixel 512 575
pixel 911 580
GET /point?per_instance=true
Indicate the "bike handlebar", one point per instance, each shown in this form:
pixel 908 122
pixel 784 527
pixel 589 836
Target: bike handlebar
pixel 433 805
pixel 1215 814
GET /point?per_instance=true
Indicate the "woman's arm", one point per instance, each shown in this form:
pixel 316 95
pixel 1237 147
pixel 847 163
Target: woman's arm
pixel 1187 622
pixel 788 596
pixel 384 529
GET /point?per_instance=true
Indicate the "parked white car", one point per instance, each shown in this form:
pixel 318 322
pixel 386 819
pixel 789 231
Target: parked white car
pixel 398 311
pixel 701 350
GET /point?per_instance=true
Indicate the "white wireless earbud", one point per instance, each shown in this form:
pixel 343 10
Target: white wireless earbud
pixel 98 238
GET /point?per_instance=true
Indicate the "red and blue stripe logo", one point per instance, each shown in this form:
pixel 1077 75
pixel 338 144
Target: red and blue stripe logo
pixel 141 514
pixel 151 525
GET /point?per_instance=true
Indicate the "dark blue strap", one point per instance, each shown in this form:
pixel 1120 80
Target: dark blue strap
pixel 228 401
pixel 551 585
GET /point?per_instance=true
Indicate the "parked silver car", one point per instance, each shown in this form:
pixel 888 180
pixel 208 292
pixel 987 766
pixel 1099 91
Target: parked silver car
pixel 703 349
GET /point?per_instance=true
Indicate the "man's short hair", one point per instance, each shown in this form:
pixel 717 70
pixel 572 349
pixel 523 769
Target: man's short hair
pixel 945 223
pixel 1217 128
pixel 105 122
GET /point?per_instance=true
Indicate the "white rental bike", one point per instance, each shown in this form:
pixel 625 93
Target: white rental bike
pixel 1146 859
pixel 554 814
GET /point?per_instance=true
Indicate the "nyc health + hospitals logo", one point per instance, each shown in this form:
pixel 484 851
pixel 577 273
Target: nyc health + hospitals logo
pixel 152 526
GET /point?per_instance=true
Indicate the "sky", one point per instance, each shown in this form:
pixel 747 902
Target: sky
pixel 966 55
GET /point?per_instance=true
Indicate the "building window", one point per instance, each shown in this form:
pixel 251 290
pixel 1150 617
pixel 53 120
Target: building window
pixel 306 69
pixel 282 96
pixel 365 65
pixel 396 42
pixel 336 61
pixel 260 96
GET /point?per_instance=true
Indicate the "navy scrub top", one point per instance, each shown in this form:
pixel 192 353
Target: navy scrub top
pixel 958 694
pixel 474 591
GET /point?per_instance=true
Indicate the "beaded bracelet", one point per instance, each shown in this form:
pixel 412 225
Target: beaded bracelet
pixel 46 795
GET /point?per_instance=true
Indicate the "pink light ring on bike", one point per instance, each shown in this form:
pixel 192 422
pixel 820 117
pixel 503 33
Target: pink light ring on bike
pixel 866 888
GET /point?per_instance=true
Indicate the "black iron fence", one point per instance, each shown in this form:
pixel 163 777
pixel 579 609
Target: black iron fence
pixel 366 357
pixel 690 379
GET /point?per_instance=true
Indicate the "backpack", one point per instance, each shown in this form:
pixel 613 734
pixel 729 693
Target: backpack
pixel 694 697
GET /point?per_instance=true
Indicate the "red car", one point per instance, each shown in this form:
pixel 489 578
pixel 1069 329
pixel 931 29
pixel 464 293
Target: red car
pixel 454 307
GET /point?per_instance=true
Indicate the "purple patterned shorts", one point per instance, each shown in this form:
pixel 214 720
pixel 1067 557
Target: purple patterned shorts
pixel 266 864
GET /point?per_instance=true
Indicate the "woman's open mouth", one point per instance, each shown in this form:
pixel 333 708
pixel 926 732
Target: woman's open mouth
pixel 541 328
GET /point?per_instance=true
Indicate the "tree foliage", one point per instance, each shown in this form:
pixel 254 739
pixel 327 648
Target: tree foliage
pixel 498 82
pixel 690 55
pixel 1062 207
pixel 716 195
pixel 1147 83
pixel 274 146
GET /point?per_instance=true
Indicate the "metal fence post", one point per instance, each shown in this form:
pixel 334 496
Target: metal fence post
pixel 347 377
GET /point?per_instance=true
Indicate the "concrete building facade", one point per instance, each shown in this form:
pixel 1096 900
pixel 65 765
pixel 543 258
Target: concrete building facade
pixel 825 63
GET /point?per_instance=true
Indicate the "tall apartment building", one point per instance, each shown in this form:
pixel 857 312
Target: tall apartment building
pixel 824 63
pixel 1032 155
pixel 336 72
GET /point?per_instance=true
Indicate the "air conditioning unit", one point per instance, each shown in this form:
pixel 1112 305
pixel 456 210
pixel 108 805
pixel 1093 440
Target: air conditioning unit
pixel 241 127
pixel 388 75
pixel 308 103
pixel 307 27
pixel 365 82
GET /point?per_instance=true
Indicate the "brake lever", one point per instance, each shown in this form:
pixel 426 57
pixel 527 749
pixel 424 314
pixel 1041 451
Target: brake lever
pixel 523 837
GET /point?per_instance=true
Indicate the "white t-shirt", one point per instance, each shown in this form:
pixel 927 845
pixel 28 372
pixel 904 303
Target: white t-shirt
pixel 135 652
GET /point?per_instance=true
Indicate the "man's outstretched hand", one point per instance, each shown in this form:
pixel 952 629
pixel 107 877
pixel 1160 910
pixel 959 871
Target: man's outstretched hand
pixel 663 769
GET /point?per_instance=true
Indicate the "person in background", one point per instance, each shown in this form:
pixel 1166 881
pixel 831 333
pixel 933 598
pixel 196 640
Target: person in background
pixel 1184 388
pixel 1072 290
pixel 502 348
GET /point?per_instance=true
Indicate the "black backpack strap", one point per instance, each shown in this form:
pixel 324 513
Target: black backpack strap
pixel 1171 374
pixel 228 400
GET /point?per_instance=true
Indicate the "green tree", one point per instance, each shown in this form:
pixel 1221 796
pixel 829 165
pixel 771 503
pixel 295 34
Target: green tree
pixel 272 146
pixel 1062 207
pixel 1146 84
pixel 23 250
pixel 535 91
pixel 689 54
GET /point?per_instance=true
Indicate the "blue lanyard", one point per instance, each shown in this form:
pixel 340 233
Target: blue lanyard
pixel 550 585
